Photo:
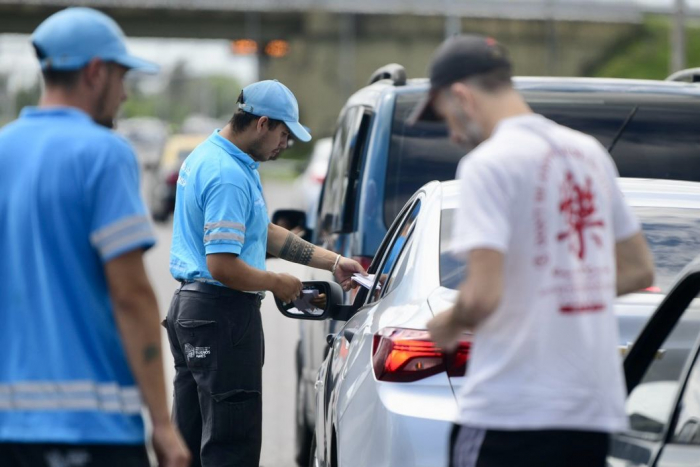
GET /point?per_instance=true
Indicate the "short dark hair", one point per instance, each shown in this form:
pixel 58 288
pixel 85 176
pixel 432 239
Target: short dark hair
pixel 62 78
pixel 494 80
pixel 242 119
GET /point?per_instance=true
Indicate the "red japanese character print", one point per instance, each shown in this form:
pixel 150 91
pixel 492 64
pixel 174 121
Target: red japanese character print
pixel 578 207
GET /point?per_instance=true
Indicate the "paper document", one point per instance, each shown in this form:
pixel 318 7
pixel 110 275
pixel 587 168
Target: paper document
pixel 365 281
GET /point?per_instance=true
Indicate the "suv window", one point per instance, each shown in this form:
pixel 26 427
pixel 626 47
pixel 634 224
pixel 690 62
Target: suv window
pixel 602 121
pixel 660 143
pixel 335 189
pixel 417 155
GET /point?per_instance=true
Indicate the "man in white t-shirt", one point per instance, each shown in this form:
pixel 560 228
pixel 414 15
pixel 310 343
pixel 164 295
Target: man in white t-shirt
pixel 550 243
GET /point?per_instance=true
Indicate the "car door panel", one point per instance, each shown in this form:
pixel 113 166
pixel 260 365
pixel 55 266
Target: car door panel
pixel 679 455
pixel 656 381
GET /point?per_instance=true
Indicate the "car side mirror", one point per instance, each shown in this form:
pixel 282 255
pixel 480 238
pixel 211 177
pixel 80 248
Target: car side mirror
pixel 318 301
pixel 292 219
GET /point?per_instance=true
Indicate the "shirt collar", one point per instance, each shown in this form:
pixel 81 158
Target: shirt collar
pixel 520 120
pixel 57 111
pixel 233 150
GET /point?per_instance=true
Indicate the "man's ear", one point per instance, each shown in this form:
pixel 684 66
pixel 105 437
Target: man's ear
pixel 463 94
pixel 466 98
pixel 263 123
pixel 94 73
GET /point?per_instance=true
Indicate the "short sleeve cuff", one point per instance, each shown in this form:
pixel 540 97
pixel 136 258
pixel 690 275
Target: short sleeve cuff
pixel 234 248
pixel 122 236
pixel 625 234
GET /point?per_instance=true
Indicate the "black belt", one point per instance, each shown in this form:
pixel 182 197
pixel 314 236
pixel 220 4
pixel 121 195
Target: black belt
pixel 219 290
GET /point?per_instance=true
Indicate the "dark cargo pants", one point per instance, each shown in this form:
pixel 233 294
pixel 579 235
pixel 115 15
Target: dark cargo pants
pixel 216 339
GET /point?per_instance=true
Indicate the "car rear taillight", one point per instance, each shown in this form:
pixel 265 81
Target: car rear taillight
pixel 172 178
pixel 652 289
pixel 405 355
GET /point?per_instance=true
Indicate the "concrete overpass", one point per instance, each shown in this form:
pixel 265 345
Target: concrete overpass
pixel 336 44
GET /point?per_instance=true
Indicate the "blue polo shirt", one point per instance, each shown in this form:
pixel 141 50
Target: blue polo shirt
pixel 219 208
pixel 70 203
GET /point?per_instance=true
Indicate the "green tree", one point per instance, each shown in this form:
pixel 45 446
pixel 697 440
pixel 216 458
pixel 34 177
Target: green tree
pixel 648 56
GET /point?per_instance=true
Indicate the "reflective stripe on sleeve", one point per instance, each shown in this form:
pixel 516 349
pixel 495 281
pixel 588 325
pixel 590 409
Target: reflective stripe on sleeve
pixel 131 230
pixel 72 396
pixel 224 236
pixel 224 224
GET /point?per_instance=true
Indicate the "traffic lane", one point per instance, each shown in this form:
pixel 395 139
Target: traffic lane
pixel 281 336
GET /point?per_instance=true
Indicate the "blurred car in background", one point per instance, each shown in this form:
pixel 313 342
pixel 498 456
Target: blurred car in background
pixel 378 160
pixel 201 124
pixel 310 182
pixel 147 136
pixel 176 150
pixel 385 395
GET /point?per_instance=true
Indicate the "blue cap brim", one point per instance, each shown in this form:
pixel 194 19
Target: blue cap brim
pixel 299 131
pixel 139 64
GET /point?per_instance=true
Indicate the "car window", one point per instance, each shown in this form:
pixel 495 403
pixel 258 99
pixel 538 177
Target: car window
pixel 393 253
pixel 687 430
pixel 651 403
pixel 336 183
pixel 672 234
pixel 399 268
pixel 660 143
pixel 418 154
pixel 602 121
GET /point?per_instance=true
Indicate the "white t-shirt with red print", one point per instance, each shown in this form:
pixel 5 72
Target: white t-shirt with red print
pixel 546 197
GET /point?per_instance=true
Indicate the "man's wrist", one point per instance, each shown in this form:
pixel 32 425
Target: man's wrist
pixel 334 267
pixel 460 316
pixel 160 420
pixel 273 280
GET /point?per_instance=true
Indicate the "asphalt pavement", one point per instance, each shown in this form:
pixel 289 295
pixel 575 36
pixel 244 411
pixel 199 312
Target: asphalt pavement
pixel 281 334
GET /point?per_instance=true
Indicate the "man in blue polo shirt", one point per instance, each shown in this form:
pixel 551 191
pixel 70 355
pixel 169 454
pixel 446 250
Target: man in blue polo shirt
pixel 221 234
pixel 79 318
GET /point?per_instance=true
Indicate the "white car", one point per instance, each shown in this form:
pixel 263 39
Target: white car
pixel 385 396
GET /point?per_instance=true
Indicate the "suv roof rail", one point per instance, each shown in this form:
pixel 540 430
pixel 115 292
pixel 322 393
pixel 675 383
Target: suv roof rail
pixel 682 75
pixel 393 71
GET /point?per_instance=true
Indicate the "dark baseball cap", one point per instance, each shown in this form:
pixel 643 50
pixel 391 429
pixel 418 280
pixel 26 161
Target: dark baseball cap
pixel 457 58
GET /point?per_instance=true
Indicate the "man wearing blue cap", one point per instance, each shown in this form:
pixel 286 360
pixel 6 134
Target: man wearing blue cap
pixel 80 320
pixel 221 234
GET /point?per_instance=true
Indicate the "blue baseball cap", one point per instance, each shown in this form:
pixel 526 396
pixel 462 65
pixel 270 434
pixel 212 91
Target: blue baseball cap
pixel 274 100
pixel 70 38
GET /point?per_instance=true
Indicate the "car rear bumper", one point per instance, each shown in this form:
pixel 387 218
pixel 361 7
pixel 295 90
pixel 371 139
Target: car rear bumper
pixel 403 425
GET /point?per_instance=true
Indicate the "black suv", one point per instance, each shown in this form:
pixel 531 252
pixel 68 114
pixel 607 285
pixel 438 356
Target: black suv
pixel 651 128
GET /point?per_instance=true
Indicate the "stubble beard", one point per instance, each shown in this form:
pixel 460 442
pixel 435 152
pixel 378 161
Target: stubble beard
pixel 100 119
pixel 256 152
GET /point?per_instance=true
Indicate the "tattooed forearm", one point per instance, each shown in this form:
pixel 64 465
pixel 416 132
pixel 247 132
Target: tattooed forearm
pixel 150 353
pixel 297 250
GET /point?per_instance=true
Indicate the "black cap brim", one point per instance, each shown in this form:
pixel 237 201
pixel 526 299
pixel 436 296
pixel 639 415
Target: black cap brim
pixel 424 110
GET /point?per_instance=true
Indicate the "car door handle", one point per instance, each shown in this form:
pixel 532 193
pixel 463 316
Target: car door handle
pixel 624 350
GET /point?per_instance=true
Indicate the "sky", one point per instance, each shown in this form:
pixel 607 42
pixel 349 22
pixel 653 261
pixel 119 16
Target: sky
pixel 201 56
